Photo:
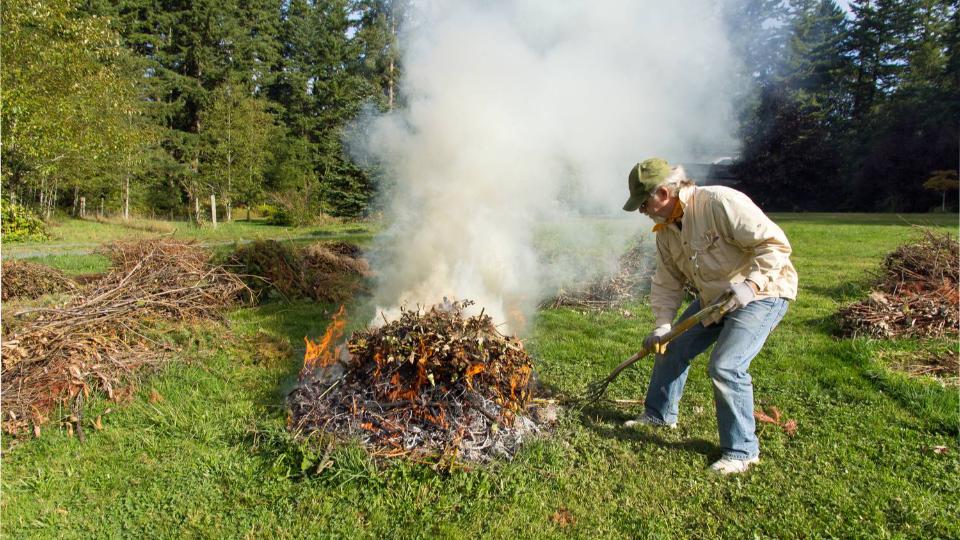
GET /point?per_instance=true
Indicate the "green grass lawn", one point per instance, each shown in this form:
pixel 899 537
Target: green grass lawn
pixel 71 236
pixel 201 449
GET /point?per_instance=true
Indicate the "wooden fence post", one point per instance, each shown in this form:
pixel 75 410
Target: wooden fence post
pixel 213 209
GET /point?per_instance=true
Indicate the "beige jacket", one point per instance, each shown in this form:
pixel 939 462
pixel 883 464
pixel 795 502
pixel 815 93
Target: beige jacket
pixel 724 239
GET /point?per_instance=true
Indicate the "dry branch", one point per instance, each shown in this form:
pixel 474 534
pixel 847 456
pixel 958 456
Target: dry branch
pixel 634 269
pixel 53 355
pixel 27 280
pixel 434 382
pixel 916 293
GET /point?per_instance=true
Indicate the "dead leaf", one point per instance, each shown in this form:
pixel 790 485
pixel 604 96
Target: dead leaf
pixel 155 396
pixel 563 518
pixel 940 449
pixel 790 427
pixel 762 417
pixel 36 431
pixel 98 423
pixel 75 371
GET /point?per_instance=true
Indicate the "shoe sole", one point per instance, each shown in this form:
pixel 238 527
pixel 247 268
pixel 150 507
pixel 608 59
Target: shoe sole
pixel 749 465
pixel 635 423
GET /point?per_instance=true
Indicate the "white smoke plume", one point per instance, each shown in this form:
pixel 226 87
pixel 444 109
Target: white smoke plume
pixel 517 113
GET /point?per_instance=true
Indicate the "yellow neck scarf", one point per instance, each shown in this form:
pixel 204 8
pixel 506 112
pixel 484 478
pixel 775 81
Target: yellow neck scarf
pixel 675 216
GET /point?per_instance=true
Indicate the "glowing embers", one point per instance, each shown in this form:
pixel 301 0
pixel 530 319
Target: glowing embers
pixel 433 382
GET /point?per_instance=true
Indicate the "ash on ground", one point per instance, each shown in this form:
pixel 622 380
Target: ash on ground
pixel 431 383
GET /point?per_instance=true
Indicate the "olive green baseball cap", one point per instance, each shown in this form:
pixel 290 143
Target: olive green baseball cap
pixel 643 178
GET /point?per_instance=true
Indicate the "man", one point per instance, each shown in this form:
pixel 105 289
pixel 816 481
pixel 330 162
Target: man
pixel 716 239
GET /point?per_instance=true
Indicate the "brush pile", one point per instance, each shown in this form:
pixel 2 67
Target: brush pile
pixel 56 355
pixel 326 272
pixel 916 294
pixel 634 270
pixel 429 383
pixel 27 280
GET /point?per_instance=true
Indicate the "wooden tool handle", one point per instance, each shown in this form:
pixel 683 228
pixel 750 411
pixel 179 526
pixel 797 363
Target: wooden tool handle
pixel 680 328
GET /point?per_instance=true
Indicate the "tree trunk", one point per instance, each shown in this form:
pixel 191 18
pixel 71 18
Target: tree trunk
pixel 196 210
pixel 126 197
pixel 76 199
pixel 51 200
pixel 943 201
pixel 101 206
pixel 390 87
pixel 213 209
pixel 83 207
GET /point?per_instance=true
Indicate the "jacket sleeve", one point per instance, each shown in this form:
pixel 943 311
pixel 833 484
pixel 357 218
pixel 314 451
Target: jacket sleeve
pixel 751 230
pixel 666 289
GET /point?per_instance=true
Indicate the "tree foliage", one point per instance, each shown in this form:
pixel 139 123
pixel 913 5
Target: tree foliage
pixel 157 104
pixel 71 105
pixel 849 112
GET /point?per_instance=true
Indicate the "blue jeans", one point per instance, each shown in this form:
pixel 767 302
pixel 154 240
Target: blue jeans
pixel 739 337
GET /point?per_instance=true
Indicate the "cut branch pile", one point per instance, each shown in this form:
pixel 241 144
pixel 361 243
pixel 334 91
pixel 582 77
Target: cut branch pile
pixel 27 280
pixel 54 355
pixel 634 270
pixel 433 383
pixel 916 294
pixel 327 272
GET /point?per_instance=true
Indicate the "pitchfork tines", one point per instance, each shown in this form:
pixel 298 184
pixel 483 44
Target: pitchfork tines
pixel 597 389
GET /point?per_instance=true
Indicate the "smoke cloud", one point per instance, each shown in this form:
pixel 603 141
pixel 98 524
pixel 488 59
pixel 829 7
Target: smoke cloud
pixel 519 118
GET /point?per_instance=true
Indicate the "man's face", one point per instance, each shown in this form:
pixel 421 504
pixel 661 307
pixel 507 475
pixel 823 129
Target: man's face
pixel 658 204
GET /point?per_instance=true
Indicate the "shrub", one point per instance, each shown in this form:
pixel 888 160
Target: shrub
pixel 20 224
pixel 293 209
pixel 266 211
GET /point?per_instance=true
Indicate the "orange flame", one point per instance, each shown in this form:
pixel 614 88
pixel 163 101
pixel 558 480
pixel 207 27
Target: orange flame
pixel 323 354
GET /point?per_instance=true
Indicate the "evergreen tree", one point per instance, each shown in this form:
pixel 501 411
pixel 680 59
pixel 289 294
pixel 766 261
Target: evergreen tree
pixel 792 138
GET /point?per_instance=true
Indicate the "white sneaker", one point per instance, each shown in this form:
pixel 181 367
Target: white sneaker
pixel 725 466
pixel 647 420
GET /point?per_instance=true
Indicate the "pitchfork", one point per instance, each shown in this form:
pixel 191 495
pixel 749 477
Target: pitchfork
pixel 597 389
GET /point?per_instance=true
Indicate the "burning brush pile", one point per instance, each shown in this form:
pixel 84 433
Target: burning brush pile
pixel 429 383
pixel 916 294
pixel 96 340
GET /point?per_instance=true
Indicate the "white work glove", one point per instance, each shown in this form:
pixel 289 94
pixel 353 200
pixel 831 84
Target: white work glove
pixel 652 342
pixel 743 294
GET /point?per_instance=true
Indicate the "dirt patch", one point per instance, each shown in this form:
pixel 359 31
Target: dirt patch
pixel 27 280
pixel 942 365
pixel 58 355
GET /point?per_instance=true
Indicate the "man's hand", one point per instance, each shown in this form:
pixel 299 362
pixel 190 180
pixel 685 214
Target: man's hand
pixel 652 342
pixel 743 293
